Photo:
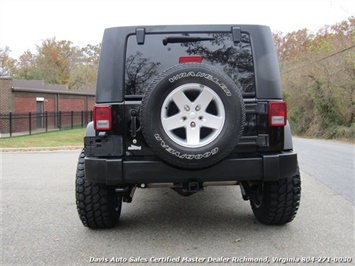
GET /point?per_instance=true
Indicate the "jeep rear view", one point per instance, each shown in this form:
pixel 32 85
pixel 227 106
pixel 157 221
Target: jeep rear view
pixel 187 107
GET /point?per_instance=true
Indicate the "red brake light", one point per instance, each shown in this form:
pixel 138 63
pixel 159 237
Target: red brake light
pixel 102 117
pixel 277 114
pixel 190 59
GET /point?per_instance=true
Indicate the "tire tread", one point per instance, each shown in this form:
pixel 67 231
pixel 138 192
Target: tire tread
pixel 96 203
pixel 282 201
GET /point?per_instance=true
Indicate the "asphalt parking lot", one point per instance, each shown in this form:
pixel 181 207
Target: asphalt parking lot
pixel 40 225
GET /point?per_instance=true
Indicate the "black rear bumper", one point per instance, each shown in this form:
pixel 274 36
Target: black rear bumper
pixel 123 172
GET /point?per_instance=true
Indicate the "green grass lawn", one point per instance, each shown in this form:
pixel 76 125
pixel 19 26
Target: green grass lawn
pixel 74 137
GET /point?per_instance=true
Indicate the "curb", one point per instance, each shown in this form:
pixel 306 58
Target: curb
pixel 38 149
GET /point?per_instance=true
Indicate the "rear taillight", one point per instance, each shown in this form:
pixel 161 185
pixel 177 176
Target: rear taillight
pixel 277 114
pixel 102 117
pixel 190 59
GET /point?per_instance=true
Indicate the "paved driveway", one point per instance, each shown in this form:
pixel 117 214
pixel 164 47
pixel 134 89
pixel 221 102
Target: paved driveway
pixel 40 225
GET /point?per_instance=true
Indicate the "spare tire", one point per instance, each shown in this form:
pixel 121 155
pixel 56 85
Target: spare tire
pixel 192 115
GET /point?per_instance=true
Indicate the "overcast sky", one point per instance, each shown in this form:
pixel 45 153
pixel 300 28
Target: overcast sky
pixel 25 23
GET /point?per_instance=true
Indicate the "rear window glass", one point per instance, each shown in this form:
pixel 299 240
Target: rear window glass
pixel 145 62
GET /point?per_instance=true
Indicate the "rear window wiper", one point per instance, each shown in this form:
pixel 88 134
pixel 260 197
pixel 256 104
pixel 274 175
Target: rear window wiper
pixel 182 39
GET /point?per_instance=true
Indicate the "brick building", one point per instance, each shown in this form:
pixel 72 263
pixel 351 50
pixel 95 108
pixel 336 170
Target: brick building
pixel 33 96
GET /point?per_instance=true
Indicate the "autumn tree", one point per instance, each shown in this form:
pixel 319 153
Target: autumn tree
pixel 7 64
pixel 318 79
pixel 54 60
pixel 26 66
pixel 83 72
pixel 60 62
pixel 293 45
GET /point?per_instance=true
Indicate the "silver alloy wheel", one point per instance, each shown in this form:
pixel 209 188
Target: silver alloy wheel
pixel 193 115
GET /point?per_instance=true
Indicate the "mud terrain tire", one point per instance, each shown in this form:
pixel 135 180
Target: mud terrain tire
pixel 277 202
pixel 98 205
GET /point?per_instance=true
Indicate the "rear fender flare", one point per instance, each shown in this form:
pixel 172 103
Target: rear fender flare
pixel 288 144
pixel 90 130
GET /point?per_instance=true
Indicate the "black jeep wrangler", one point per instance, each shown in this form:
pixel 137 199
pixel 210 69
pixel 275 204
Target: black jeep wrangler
pixel 186 107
